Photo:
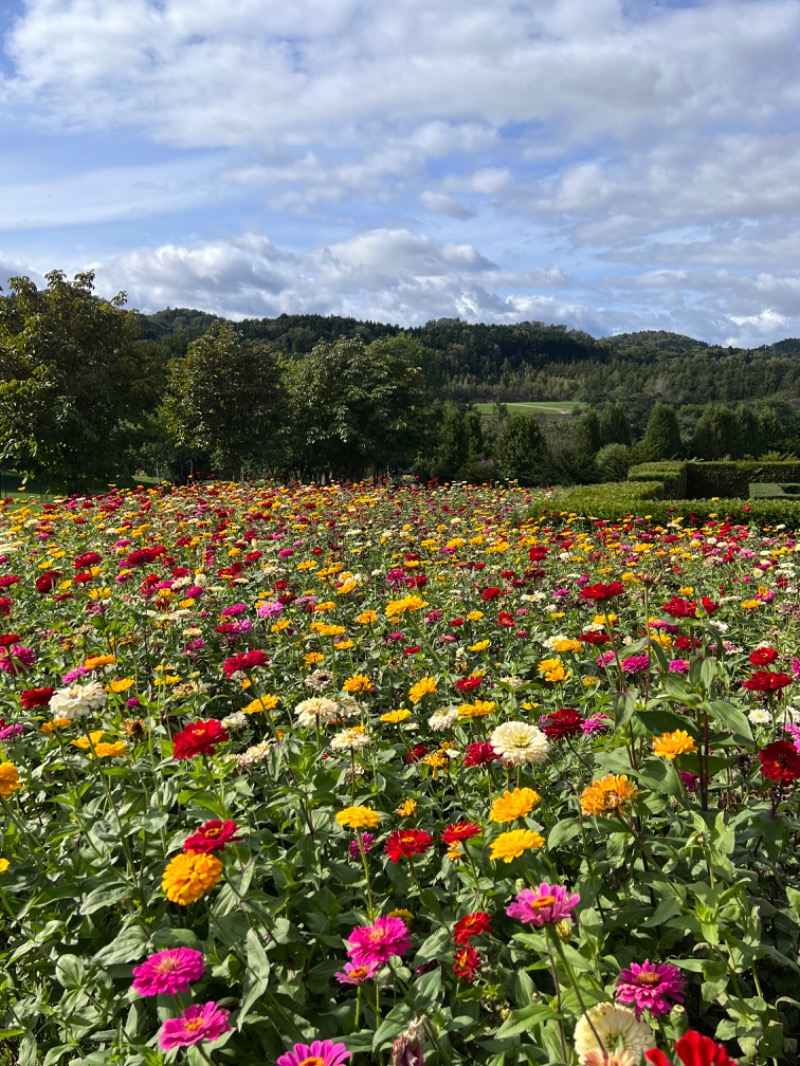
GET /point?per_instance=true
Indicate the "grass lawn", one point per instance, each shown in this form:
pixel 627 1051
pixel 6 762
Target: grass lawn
pixel 546 408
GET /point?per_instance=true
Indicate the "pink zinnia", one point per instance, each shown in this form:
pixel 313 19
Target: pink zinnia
pixel 168 972
pixel 320 1053
pixel 545 905
pixel 652 988
pixel 17 659
pixel 212 836
pixel 355 975
pixel 195 1024
pixel 375 943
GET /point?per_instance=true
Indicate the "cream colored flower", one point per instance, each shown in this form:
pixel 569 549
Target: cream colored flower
pixel 518 743
pixel 443 718
pixel 317 709
pixel 617 1029
pixel 77 701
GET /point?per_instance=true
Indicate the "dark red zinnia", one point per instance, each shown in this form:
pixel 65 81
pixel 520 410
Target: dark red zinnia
pixel 403 843
pixel 566 722
pixel 36 697
pixel 767 681
pixel 468 684
pixel 780 761
pixel 480 753
pixel 198 738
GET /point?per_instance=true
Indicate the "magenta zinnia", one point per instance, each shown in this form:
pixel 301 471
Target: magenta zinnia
pixel 168 972
pixel 195 1024
pixel 650 987
pixel 320 1053
pixel 387 936
pixel 545 905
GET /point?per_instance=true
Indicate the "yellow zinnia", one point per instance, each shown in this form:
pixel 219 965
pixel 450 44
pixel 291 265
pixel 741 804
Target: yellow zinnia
pixel 394 717
pixel 407 809
pixel 357 684
pixel 513 805
pixel 511 845
pixel 9 779
pixel 426 686
pixel 359 818
pixel 85 743
pixel 190 875
pixel 608 794
pixel 111 751
pixel 478 709
pixel 670 745
pixel 4 865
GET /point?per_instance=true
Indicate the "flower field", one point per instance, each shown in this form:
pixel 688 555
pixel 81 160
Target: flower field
pixel 314 775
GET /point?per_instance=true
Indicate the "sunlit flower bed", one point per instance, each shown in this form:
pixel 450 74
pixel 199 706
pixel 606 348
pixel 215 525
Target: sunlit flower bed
pixel 316 776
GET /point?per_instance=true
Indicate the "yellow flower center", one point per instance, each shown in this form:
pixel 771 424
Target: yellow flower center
pixel 648 978
pixel 312 1060
pixel 195 1023
pixel 545 901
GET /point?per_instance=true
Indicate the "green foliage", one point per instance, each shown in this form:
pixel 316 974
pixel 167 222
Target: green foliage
pixel 671 473
pixel 613 462
pixel 225 398
pixel 520 452
pixel 662 438
pixel 71 383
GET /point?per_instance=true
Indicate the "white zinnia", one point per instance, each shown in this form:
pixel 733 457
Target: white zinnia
pixel 349 740
pixel 77 701
pixel 316 709
pixel 518 743
pixel 618 1030
pixel 443 718
pixel 760 717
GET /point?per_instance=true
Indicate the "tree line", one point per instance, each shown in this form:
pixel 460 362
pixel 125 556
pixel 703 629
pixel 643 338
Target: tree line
pixel 91 391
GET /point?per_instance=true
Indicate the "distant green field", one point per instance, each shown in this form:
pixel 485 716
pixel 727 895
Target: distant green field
pixel 548 408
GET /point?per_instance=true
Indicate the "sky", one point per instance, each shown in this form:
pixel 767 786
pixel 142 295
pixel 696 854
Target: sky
pixel 612 165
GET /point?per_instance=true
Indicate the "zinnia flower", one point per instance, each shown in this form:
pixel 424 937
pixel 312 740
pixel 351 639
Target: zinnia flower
pixel 403 843
pixel 212 836
pixel 320 1053
pixel 376 943
pixel 316 709
pixel 475 924
pixel 168 972
pixel 480 754
pixel 244 662
pixel 513 805
pixel 36 697
pixel 9 779
pixel 680 608
pixel 671 745
pixel 767 681
pixel 693 1050
pixel 359 818
pixel 780 761
pixel 190 875
pixel 511 845
pixel 652 988
pixel 518 743
pixel 195 1024
pixel 426 686
pixel 618 1029
pixel 566 722
pixel 545 905
pixel 600 592
pixel 198 738
pixel 356 975
pixel 77 701
pixel 459 831
pixel 466 962
pixel 608 794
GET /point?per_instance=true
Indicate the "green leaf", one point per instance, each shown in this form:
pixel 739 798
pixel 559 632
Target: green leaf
pixel 70 971
pixel 257 976
pixel 730 717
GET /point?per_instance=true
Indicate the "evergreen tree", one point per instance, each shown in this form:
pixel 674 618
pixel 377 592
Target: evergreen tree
pixel 662 438
pixel 520 452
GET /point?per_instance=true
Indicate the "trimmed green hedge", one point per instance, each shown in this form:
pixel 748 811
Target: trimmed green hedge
pixel 671 473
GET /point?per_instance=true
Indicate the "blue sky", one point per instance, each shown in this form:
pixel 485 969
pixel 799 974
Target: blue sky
pixel 612 165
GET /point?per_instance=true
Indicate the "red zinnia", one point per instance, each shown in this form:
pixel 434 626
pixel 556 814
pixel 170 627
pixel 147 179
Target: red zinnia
pixel 212 836
pixel 419 751
pixel 198 738
pixel 560 724
pixel 767 681
pixel 471 925
pixel 479 754
pixel 693 1050
pixel 403 843
pixel 36 697
pixel 244 661
pixel 780 761
pixel 459 831
pixel 468 684
pixel 491 593
pixel 466 962
pixel 46 582
pixel 601 591
pixel 594 638
pixel 709 606
pixel 763 657
pixel 679 608
pixel 9 638
pixel 87 559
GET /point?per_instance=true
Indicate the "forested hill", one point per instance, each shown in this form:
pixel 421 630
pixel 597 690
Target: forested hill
pixel 535 361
